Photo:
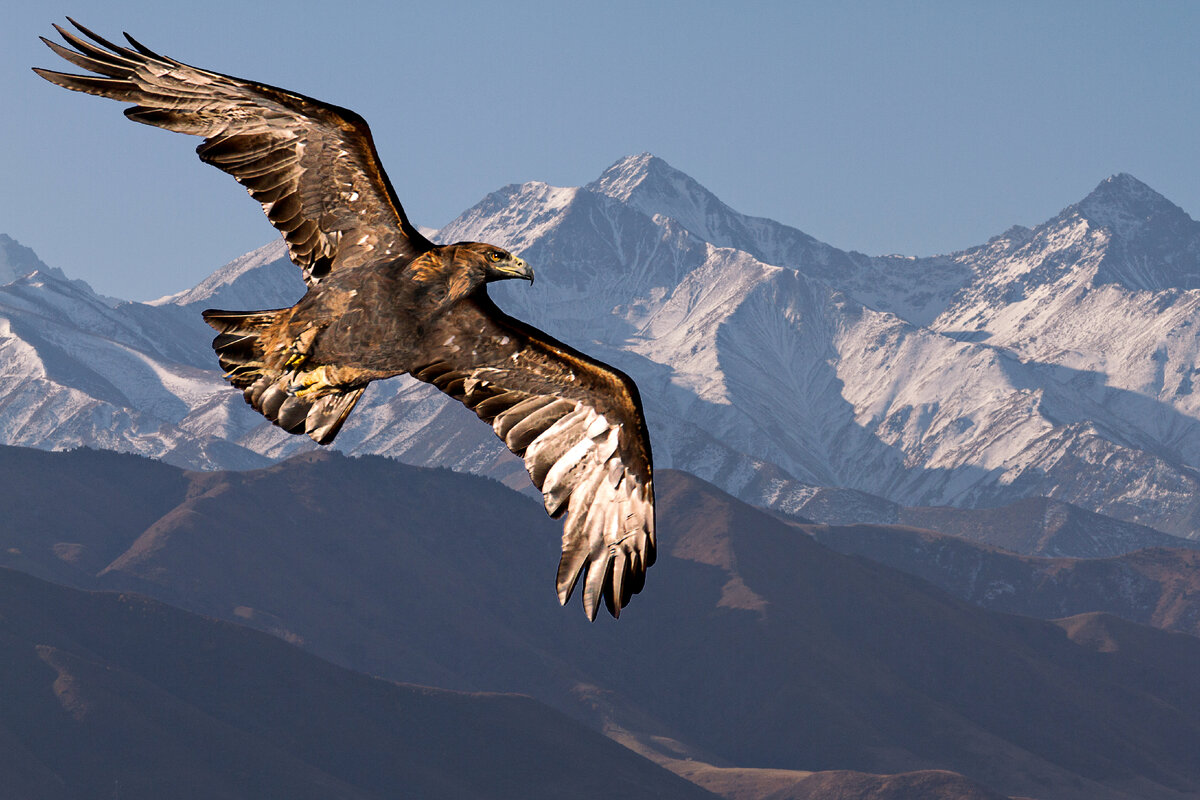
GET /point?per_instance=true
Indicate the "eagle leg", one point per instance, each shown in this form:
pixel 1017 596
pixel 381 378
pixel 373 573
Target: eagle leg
pixel 311 383
pixel 297 352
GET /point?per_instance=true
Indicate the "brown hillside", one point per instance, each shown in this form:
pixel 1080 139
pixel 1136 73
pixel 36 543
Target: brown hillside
pixel 752 644
pixel 117 695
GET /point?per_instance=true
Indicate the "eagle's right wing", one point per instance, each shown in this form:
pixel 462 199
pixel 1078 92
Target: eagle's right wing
pixel 579 426
pixel 313 166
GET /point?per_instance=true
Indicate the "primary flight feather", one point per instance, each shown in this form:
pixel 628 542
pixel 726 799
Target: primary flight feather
pixel 383 300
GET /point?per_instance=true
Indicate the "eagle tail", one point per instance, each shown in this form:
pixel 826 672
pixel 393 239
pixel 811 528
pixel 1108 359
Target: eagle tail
pixel 238 343
pixel 296 398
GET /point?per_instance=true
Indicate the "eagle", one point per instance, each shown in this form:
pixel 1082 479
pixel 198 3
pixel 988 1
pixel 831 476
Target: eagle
pixel 382 300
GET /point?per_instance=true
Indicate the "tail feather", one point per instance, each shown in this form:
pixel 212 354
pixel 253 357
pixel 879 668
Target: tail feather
pixel 277 392
pixel 327 414
pixel 238 343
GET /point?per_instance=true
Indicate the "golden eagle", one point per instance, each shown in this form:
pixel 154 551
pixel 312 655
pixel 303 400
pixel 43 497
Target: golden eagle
pixel 383 300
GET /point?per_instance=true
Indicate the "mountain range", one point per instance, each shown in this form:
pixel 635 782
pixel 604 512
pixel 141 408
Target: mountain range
pixel 928 525
pixel 1050 362
pixel 758 663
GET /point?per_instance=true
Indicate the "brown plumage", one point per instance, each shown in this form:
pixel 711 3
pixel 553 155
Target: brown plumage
pixel 383 300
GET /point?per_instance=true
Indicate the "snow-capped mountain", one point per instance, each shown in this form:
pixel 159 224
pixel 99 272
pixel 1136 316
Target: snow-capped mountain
pixel 969 379
pixel 79 370
pixel 16 260
pixel 1053 361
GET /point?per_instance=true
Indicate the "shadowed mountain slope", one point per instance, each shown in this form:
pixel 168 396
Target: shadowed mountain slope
pixel 1039 526
pixel 752 646
pixel 117 695
pixel 1035 526
pixel 1154 586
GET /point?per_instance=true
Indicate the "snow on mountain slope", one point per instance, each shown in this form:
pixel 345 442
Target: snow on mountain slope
pixel 79 372
pixel 906 378
pixel 648 184
pixel 1052 361
pixel 263 278
pixel 894 283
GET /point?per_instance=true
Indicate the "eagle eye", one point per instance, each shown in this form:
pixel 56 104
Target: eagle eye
pixel 494 255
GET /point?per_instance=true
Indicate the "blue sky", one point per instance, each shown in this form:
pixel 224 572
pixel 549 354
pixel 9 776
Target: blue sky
pixel 900 127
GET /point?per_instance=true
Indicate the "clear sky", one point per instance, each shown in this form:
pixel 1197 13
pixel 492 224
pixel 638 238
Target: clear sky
pixel 885 127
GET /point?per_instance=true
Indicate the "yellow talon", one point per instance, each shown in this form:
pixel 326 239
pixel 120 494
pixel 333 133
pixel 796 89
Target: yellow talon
pixel 310 383
pixel 298 351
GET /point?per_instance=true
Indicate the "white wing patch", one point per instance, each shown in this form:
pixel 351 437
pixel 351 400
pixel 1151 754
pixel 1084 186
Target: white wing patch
pixel 609 531
pixel 575 457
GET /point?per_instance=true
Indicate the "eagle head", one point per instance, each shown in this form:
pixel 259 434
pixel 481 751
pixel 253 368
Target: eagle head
pixel 498 264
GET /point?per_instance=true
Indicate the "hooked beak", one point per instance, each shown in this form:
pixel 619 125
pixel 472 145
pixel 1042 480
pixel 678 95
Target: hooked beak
pixel 518 268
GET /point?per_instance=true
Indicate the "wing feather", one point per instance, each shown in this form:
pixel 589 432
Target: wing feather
pixel 579 427
pixel 312 166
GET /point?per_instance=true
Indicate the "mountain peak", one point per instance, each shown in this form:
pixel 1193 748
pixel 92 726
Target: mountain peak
pixel 642 171
pixel 16 259
pixel 1122 202
pixel 652 186
pixel 19 264
pixel 1122 184
pixel 261 277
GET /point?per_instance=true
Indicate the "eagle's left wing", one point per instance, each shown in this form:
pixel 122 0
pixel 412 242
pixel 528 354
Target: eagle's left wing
pixel 311 165
pixel 579 426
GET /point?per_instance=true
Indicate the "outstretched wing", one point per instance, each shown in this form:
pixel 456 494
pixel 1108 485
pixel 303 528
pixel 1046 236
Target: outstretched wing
pixel 579 426
pixel 313 166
